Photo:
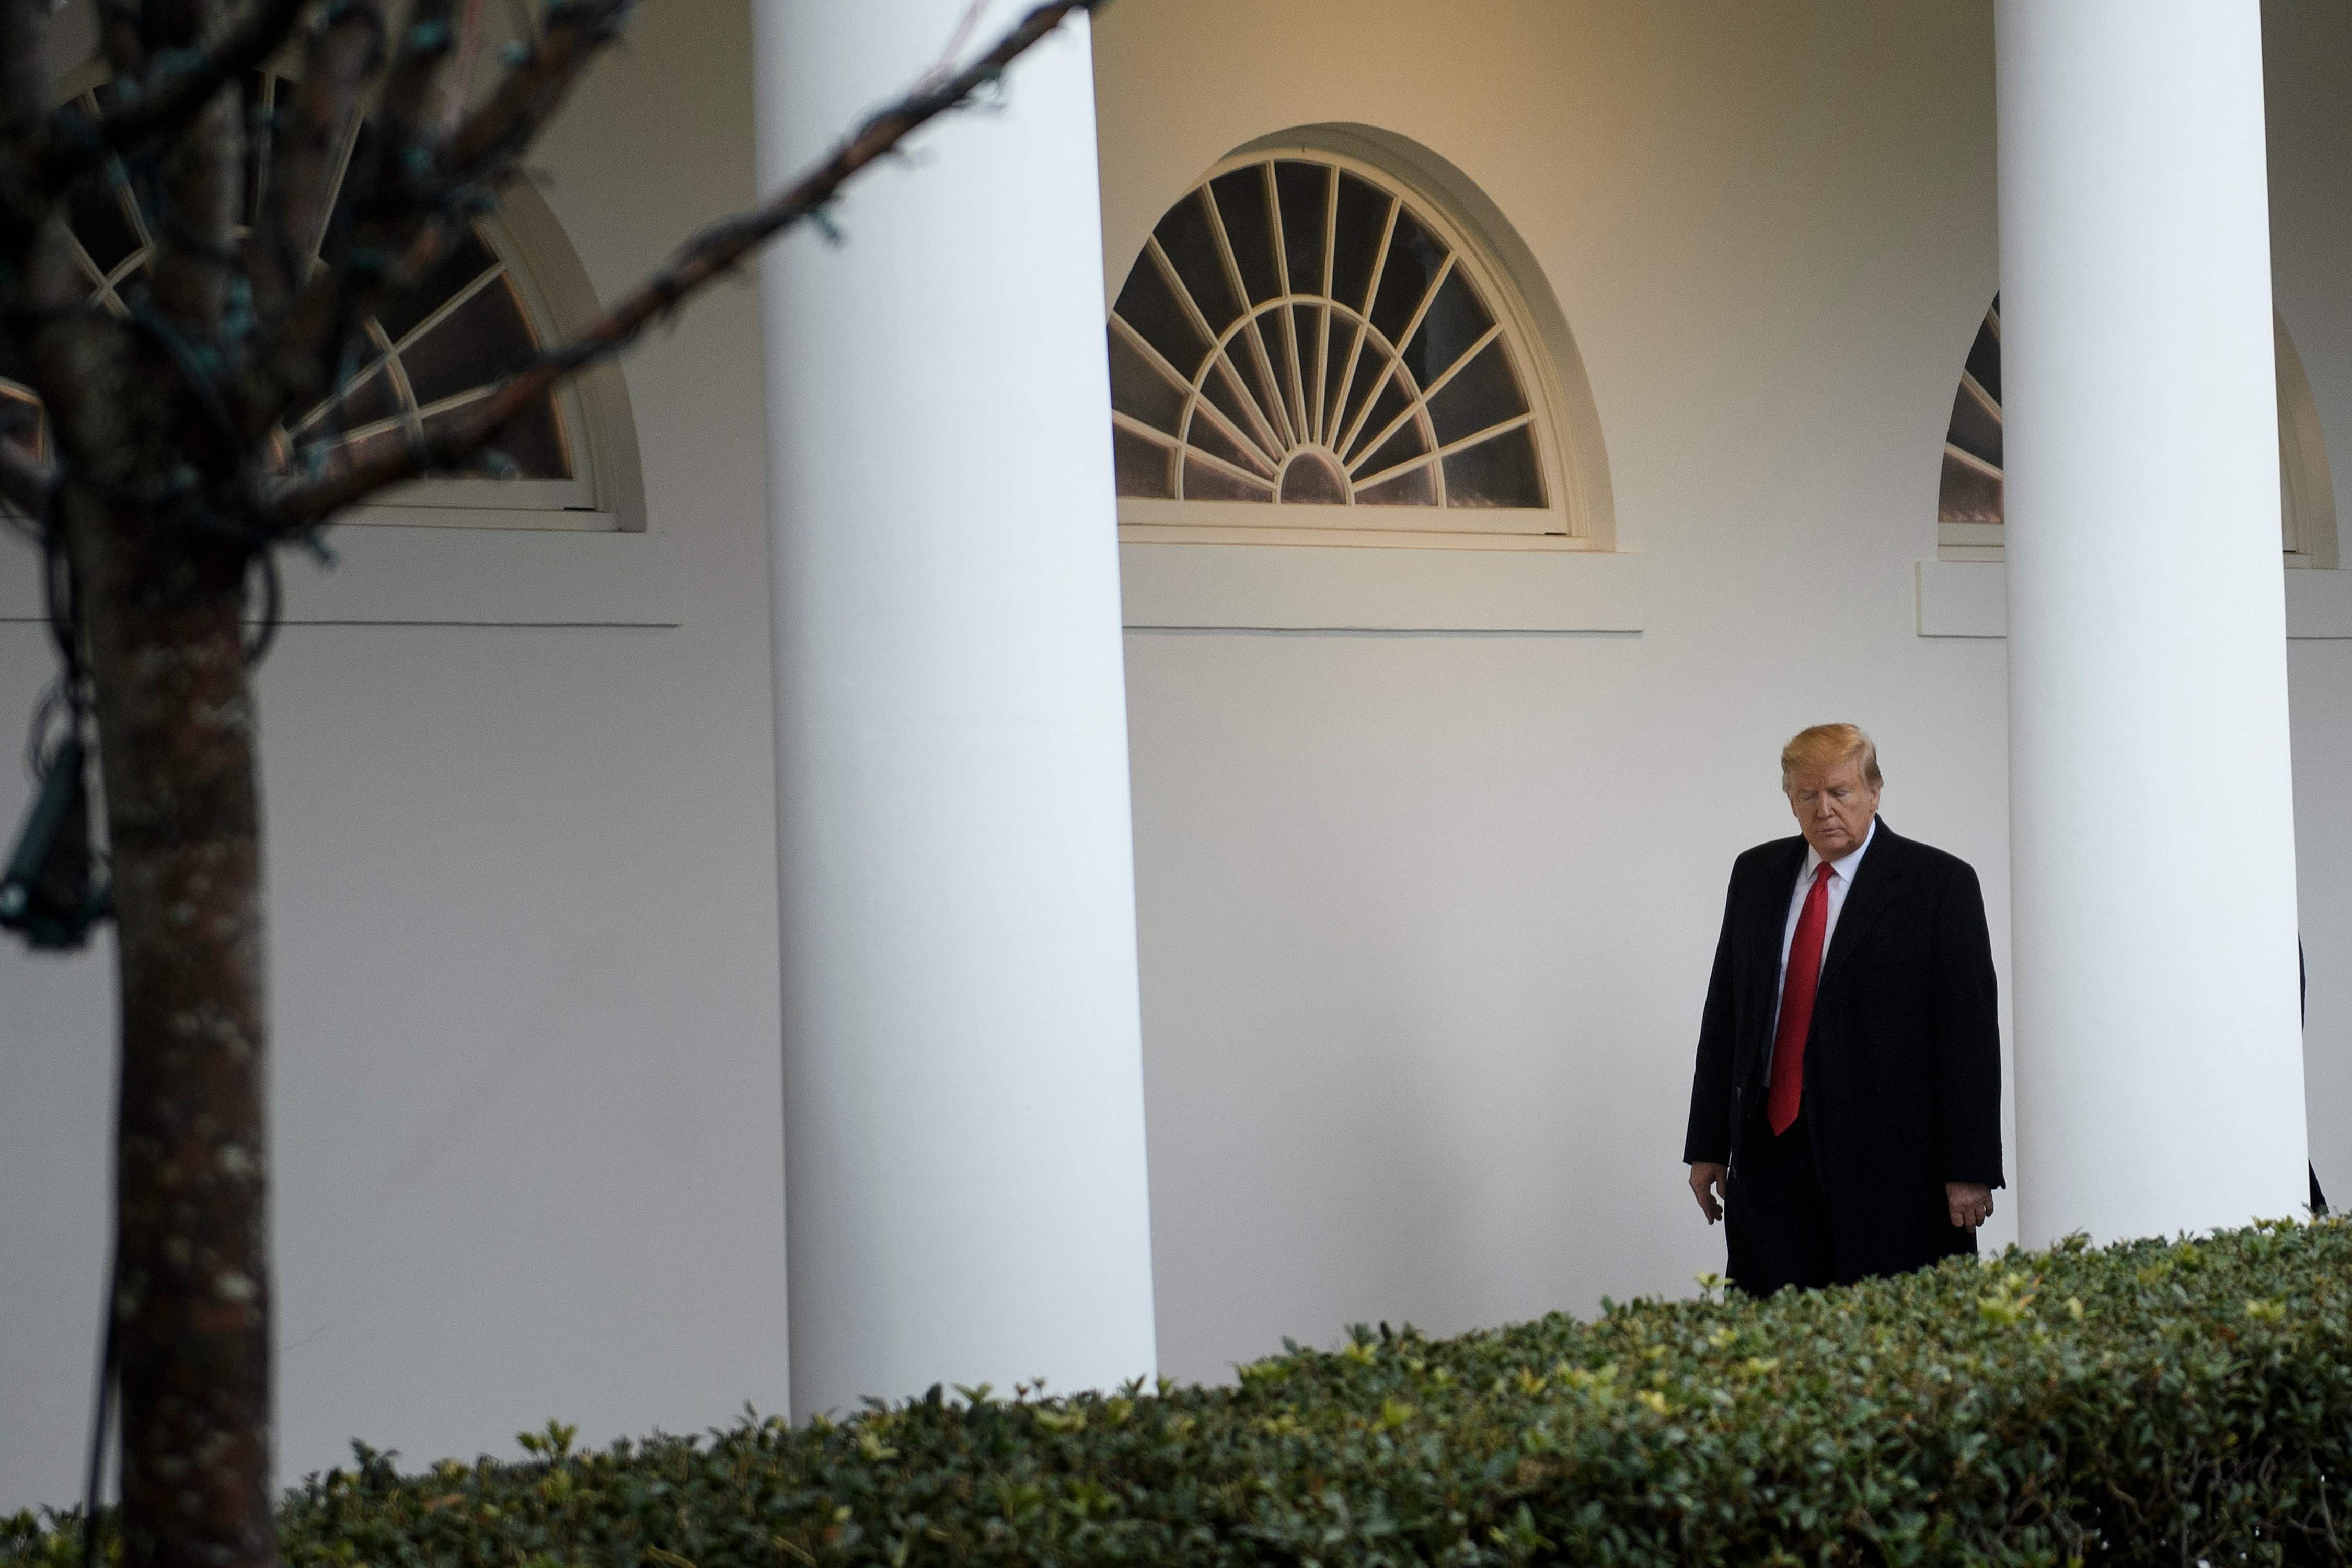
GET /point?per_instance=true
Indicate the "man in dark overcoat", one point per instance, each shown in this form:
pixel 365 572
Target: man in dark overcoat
pixel 1845 1113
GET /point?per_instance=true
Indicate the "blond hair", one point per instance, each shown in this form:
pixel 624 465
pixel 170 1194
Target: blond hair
pixel 1825 746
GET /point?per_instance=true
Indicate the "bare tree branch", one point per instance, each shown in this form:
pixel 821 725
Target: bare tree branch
pixel 297 365
pixel 175 89
pixel 23 66
pixel 714 253
pixel 575 34
pixel 202 191
pixel 305 155
pixel 409 205
pixel 122 37
pixel 404 117
pixel 525 19
pixel 81 363
pixel 460 86
pixel 957 42
pixel 395 195
pixel 24 100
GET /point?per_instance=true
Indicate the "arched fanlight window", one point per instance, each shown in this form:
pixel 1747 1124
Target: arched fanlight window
pixel 417 359
pixel 1305 342
pixel 1970 501
pixel 1971 491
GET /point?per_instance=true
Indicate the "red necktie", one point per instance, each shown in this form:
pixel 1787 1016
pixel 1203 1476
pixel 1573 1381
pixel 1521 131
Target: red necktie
pixel 1797 1006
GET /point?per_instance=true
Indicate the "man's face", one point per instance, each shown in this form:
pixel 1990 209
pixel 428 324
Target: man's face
pixel 1833 807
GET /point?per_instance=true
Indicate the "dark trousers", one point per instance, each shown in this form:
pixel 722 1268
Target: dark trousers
pixel 1776 1223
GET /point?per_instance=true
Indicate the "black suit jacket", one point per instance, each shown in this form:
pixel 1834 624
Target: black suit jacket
pixel 1903 1067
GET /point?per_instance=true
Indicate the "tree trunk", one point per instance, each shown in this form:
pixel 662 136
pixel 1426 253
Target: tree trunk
pixel 190 1306
pixel 159 598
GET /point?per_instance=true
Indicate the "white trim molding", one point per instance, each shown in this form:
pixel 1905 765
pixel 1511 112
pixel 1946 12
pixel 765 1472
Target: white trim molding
pixel 1970 599
pixel 404 575
pixel 1295 587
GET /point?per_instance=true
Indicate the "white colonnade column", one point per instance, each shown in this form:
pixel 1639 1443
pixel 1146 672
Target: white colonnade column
pixel 2160 1068
pixel 964 1162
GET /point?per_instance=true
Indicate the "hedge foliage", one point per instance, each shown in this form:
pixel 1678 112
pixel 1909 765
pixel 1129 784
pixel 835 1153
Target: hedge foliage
pixel 2153 1402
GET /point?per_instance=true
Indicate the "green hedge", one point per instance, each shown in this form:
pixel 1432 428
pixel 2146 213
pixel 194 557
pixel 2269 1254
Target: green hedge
pixel 2154 1402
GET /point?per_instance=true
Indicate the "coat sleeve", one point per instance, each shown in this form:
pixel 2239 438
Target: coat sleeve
pixel 1965 1010
pixel 1709 1138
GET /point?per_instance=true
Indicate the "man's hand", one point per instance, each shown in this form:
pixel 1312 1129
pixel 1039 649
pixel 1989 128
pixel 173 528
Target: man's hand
pixel 1710 1182
pixel 1971 1205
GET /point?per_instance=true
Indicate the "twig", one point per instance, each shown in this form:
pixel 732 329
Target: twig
pixel 122 38
pixel 306 155
pixel 23 73
pixel 576 32
pixel 525 20
pixel 302 359
pixel 404 116
pixel 301 307
pixel 201 191
pixel 174 87
pixel 459 87
pixel 957 41
pixel 414 215
pixel 711 255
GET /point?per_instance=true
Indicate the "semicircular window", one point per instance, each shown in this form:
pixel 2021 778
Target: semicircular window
pixel 1302 336
pixel 1971 500
pixel 1971 490
pixel 416 360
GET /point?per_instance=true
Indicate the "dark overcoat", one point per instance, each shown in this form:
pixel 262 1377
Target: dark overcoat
pixel 1903 1067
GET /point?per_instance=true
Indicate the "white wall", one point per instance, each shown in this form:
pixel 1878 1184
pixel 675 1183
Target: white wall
pixel 1426 919
pixel 527 1100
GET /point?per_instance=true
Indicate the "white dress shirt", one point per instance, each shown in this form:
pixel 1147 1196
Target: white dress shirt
pixel 1841 882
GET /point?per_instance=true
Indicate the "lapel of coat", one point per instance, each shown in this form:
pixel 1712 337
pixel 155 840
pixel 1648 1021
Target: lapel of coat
pixel 1774 890
pixel 1874 884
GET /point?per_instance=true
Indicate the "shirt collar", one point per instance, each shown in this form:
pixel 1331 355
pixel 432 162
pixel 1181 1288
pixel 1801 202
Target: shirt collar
pixel 1841 868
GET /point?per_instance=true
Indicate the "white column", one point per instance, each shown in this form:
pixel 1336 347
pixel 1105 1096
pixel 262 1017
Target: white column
pixel 964 1102
pixel 2159 1072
